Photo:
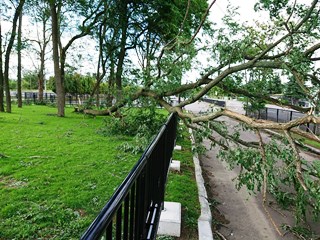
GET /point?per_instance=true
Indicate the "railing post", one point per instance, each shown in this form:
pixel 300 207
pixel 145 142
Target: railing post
pixel 132 211
pixel 266 113
pixel 119 223
pixel 34 98
pixel 126 217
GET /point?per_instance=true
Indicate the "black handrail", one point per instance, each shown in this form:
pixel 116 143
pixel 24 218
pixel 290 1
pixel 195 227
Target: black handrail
pixel 136 205
pixel 220 103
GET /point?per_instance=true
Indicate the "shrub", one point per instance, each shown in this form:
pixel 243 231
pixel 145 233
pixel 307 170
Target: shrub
pixel 141 123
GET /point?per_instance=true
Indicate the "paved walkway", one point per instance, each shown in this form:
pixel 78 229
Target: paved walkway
pixel 244 215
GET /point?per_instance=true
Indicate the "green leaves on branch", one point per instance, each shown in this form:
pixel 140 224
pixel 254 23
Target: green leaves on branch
pixel 274 6
pixel 282 180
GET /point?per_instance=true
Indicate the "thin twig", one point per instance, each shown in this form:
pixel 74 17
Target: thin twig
pixel 185 17
pixel 277 210
pixel 265 182
pixel 272 221
pixel 201 23
pixel 298 160
pixel 220 235
pixel 264 161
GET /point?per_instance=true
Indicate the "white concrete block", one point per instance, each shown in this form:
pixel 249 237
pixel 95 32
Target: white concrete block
pixel 170 220
pixel 177 147
pixel 175 165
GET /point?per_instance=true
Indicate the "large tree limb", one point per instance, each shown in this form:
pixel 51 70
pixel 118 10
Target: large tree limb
pixel 259 124
pixel 260 96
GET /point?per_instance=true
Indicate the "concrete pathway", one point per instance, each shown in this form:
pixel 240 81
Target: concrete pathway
pixel 242 216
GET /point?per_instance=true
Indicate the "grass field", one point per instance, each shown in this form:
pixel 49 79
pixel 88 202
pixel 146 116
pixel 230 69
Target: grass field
pixel 181 187
pixel 57 173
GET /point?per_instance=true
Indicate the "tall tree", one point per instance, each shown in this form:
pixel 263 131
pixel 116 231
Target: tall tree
pixel 91 13
pixel 294 92
pixel 103 55
pixel 40 15
pixel 124 22
pixel 19 48
pixel 1 74
pixel 56 57
pixel 8 50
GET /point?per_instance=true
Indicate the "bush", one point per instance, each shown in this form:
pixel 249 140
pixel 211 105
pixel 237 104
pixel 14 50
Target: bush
pixel 141 123
pixel 132 121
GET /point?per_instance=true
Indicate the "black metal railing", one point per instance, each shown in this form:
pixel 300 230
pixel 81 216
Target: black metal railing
pixel 283 116
pixel 133 212
pixel 71 100
pixel 220 103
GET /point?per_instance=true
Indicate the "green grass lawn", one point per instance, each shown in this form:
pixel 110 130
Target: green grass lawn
pixel 181 187
pixel 306 141
pixel 57 173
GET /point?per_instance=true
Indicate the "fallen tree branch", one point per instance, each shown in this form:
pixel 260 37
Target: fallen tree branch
pixel 258 123
pixel 272 221
pixel 298 160
pixel 265 172
pixel 220 235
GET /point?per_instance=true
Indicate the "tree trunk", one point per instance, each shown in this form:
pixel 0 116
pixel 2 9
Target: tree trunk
pixel 41 82
pixel 19 92
pixel 98 97
pixel 56 60
pixel 122 53
pixel 41 70
pixel 7 55
pixel 1 75
pixel 111 81
pixel 42 60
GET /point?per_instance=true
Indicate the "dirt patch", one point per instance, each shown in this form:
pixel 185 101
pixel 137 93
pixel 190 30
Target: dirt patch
pixel 81 212
pixel 188 233
pixel 12 183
